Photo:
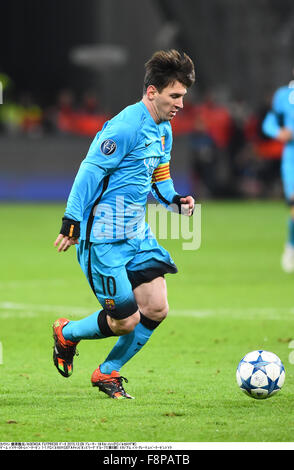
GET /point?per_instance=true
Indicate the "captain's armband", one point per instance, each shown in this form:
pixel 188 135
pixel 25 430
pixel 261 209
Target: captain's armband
pixel 161 173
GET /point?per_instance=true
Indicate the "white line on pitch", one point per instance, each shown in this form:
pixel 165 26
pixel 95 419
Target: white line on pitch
pixel 29 283
pixel 12 309
pixel 38 309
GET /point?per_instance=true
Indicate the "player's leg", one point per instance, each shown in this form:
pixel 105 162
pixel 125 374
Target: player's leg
pixel 118 316
pixel 145 271
pixel 291 223
pixel 63 350
pixel 99 325
pixel 104 266
pixel 152 301
pixel 288 254
pixel 151 298
pixel 110 381
pixel 67 334
pixel 287 172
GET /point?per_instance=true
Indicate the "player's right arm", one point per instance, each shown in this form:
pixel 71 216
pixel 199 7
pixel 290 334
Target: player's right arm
pixel 85 184
pixel 106 152
pixel 273 124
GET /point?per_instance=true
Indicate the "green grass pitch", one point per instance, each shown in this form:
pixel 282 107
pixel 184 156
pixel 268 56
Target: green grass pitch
pixel 229 297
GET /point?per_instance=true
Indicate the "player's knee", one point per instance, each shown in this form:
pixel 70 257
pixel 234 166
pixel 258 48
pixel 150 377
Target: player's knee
pixel 157 312
pixel 126 325
pixel 162 311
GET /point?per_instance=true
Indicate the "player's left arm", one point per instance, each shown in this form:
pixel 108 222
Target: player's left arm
pixel 163 188
pixel 164 192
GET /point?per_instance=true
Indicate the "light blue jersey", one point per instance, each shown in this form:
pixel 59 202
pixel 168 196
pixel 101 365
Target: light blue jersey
pixel 282 115
pixel 110 190
pixel 117 251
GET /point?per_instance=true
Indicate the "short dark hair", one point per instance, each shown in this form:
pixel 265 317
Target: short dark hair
pixel 167 67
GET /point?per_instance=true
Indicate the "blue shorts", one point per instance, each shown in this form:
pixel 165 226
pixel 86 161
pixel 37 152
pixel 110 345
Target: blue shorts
pixel 113 270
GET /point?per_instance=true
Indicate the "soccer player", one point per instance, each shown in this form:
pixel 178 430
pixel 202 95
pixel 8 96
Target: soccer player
pixel 279 124
pixel 105 219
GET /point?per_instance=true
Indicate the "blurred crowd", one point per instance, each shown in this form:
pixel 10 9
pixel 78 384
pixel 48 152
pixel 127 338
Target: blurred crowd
pixel 25 116
pixel 228 154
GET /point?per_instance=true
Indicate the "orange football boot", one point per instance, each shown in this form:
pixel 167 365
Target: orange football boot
pixel 63 349
pixel 111 384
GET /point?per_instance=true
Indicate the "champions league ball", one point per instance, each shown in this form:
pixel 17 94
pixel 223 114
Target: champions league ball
pixel 260 374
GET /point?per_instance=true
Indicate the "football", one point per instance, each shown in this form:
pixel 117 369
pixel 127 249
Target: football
pixel 260 374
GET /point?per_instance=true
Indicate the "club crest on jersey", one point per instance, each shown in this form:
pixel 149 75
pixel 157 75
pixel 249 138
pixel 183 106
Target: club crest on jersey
pixel 110 304
pixel 163 142
pixel 108 147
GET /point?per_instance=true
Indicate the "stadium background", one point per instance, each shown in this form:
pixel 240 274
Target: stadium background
pixel 67 66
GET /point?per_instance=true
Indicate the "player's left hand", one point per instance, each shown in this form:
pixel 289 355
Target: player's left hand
pixel 187 205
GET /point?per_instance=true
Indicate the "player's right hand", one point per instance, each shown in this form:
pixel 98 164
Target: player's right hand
pixel 69 234
pixel 285 135
pixel 63 242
